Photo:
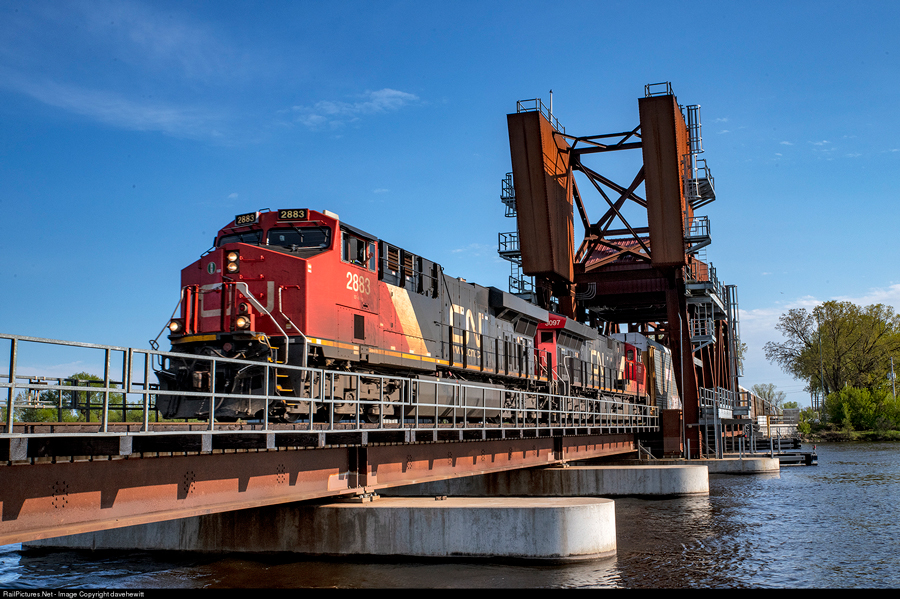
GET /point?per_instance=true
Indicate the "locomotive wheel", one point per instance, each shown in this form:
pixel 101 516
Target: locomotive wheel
pixel 289 417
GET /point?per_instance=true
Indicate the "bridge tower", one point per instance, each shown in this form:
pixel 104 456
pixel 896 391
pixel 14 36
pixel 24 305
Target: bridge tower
pixel 642 264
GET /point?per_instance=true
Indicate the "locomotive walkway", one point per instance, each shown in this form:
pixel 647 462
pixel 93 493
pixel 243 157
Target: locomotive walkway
pixel 61 478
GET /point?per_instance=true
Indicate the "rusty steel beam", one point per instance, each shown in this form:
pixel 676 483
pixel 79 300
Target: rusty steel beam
pixel 44 500
pixel 544 205
pixel 48 499
pixel 602 148
pixel 665 138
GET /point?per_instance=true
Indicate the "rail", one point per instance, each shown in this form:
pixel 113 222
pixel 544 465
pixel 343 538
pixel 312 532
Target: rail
pixel 127 391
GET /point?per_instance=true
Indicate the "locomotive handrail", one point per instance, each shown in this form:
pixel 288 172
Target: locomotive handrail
pixel 153 342
pixel 246 293
pixel 429 403
pixel 294 326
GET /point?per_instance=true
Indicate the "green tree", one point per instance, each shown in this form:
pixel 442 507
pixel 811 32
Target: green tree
pixel 863 409
pixel 789 405
pixel 84 401
pixel 39 408
pixel 75 405
pixel 808 418
pixel 740 352
pixel 768 392
pixel 837 344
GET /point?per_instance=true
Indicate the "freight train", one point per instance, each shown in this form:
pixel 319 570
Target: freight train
pixel 301 287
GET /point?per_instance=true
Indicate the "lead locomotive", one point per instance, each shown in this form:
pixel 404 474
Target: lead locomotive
pixel 300 287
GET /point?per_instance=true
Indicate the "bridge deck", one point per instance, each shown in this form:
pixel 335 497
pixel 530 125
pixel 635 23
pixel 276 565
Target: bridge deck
pixel 59 478
pixel 59 495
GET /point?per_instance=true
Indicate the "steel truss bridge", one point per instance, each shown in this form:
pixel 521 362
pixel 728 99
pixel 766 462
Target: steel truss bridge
pixel 79 455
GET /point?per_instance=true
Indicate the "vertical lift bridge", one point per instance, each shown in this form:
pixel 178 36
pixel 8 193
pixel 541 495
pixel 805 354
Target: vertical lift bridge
pixel 648 273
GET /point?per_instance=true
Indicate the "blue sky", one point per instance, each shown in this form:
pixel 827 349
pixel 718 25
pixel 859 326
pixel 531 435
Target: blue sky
pixel 130 132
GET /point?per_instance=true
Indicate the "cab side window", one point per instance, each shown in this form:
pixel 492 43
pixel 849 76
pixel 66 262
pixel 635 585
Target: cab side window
pixel 357 250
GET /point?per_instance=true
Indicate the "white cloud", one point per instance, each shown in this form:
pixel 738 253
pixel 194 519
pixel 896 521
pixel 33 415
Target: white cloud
pixel 116 110
pixel 880 295
pixel 476 250
pixel 113 61
pixel 786 143
pixel 161 40
pixel 336 114
pixel 758 328
pixel 57 370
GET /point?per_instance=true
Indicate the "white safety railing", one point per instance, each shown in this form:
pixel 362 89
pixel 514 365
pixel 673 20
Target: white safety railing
pixel 126 392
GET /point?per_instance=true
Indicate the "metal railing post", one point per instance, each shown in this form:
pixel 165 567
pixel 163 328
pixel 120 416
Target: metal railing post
pixel 104 425
pixel 266 398
pixel 146 417
pixel 212 396
pixel 10 411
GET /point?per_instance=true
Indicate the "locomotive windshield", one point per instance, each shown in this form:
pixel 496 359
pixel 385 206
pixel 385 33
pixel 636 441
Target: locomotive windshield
pixel 251 237
pixel 300 237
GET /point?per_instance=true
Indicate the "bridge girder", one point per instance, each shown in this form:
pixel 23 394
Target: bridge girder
pixel 64 496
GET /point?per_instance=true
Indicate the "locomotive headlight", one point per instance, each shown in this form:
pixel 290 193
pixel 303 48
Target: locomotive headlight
pixel 176 325
pixel 232 262
pixel 243 308
pixel 242 322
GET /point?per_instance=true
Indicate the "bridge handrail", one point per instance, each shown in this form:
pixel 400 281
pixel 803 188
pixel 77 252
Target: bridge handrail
pixel 456 398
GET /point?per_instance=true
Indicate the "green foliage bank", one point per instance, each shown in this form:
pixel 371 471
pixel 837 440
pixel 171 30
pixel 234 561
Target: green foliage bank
pixel 843 352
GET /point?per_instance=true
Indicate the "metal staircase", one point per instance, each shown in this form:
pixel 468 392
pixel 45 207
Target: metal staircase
pixel 699 185
pixel 508 244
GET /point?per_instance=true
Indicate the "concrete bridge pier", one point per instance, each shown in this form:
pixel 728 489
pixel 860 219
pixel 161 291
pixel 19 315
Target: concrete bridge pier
pixel 520 528
pixel 542 513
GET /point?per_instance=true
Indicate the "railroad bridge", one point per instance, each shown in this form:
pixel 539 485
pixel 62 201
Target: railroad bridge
pixel 124 466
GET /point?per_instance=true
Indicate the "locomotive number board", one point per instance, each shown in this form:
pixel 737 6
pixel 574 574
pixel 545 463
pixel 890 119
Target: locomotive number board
pixel 246 219
pixel 293 214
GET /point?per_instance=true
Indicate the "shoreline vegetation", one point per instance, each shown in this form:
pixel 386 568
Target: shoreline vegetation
pixel 853 414
pixel 845 353
pixel 840 436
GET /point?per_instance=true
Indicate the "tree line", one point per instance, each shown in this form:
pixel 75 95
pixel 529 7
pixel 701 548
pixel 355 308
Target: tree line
pixel 843 352
pixel 74 405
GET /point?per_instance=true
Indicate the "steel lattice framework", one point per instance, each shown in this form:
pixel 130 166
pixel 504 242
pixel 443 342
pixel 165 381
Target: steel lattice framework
pixel 646 272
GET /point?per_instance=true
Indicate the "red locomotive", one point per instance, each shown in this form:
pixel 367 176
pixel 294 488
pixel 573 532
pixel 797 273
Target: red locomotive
pixel 301 287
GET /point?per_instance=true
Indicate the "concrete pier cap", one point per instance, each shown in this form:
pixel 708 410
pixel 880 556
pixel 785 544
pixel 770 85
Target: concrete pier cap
pixel 553 528
pixel 529 528
pixel 755 464
pixel 576 480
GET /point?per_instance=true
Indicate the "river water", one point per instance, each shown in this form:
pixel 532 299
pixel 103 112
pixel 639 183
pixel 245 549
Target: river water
pixel 834 525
